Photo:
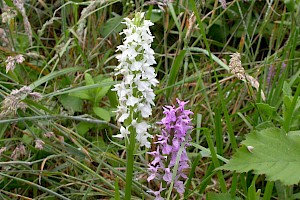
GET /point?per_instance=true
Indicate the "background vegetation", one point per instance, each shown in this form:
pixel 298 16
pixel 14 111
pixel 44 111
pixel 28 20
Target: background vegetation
pixel 69 50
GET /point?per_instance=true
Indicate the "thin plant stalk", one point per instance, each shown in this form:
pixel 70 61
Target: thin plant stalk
pixel 129 164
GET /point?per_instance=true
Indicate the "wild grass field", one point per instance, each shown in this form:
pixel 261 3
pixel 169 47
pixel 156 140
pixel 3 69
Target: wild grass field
pixel 159 99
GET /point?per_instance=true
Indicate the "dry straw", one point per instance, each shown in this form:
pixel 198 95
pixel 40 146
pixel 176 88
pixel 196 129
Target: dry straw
pixel 236 68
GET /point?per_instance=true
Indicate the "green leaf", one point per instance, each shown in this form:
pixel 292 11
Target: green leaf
pixel 296 196
pixel 296 133
pixel 54 75
pixel 264 125
pixel 174 72
pixel 252 194
pixel 291 111
pixel 220 196
pixel 79 88
pixel 3 128
pixel 286 89
pixel 174 16
pixel 26 139
pixel 155 16
pixel 84 127
pixel 71 103
pixel 82 94
pixel 215 58
pixel 117 192
pixel 88 79
pixel 113 25
pixel 102 91
pixel 266 108
pixel 274 153
pixel 290 4
pixel 113 99
pixel 102 113
pixel 218 32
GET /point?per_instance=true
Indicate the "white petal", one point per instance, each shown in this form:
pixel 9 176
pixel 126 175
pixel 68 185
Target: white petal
pixel 141 127
pixel 121 136
pixel 145 109
pixel 123 132
pixel 143 139
pixel 136 66
pixel 128 78
pixel 123 117
pixel 132 101
pixel 142 85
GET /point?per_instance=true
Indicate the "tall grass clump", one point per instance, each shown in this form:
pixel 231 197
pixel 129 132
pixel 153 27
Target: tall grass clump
pixel 113 99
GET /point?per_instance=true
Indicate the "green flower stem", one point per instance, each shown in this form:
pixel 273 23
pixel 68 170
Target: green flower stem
pixel 129 164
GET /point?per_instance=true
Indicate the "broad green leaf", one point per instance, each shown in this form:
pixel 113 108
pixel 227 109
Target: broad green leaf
pixel 71 103
pixel 102 113
pixel 22 41
pixel 264 125
pixel 113 25
pixel 102 91
pixel 82 94
pixel 83 127
pixel 26 139
pixel 220 196
pixel 266 108
pixel 155 15
pixel 113 99
pixel 274 153
pixel 88 79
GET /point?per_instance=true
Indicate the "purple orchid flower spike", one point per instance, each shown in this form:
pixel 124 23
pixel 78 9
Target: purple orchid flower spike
pixel 176 126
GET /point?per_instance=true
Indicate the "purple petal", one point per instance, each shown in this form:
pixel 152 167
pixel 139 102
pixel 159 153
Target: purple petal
pixel 168 176
pixel 179 187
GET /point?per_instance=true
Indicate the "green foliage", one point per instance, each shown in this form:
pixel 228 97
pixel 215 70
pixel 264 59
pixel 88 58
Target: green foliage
pixel 102 113
pixel 271 152
pixel 221 196
pixel 112 25
pixel 94 95
pixel 71 103
pixel 174 72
